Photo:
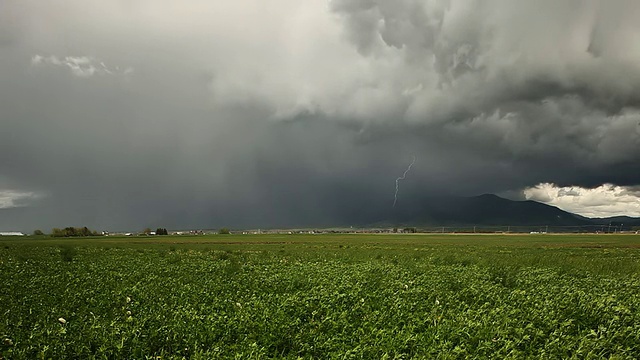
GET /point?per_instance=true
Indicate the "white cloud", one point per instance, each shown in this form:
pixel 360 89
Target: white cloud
pixel 12 199
pixel 80 66
pixel 603 201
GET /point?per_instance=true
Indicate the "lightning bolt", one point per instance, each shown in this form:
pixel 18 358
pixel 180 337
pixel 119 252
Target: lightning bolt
pixel 404 175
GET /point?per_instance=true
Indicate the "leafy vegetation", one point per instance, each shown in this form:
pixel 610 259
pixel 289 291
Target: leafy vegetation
pixel 67 253
pixel 311 296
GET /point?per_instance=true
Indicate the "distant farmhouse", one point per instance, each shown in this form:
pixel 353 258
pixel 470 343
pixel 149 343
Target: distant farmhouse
pixel 11 233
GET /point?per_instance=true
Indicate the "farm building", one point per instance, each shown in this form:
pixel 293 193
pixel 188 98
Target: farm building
pixel 11 233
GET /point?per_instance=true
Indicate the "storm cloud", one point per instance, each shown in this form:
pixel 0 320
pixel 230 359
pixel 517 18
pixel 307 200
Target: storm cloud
pixel 127 114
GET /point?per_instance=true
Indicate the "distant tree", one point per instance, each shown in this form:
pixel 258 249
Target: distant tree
pixel 224 231
pixel 38 232
pixel 162 231
pixel 146 231
pixel 85 231
pixel 71 231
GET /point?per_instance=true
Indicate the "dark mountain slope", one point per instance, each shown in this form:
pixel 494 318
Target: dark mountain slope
pixel 485 209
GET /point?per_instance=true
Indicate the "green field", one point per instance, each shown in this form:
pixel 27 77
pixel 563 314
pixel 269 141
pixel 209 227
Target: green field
pixel 321 296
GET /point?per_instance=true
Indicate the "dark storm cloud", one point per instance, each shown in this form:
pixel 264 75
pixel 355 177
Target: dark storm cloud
pixel 146 113
pixel 518 81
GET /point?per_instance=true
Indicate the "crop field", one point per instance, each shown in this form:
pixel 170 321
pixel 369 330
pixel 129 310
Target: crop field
pixel 321 296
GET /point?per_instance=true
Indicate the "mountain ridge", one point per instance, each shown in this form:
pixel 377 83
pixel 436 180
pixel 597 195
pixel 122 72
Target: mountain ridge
pixel 491 210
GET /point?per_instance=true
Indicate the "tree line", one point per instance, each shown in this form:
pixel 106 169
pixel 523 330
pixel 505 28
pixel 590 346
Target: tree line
pixel 72 232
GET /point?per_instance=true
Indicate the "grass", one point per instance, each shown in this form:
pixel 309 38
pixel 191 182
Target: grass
pixel 321 296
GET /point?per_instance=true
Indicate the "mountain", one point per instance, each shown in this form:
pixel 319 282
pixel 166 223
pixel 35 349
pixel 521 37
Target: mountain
pixel 487 209
pixel 617 221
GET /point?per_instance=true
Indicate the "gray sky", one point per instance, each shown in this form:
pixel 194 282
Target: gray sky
pixel 126 114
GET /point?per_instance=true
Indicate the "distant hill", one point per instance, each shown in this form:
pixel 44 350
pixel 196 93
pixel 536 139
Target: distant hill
pixel 618 220
pixel 485 209
pixel 490 210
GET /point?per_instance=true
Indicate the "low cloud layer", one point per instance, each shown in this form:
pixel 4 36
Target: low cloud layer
pixel 14 199
pixel 205 114
pixel 80 66
pixel 603 201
